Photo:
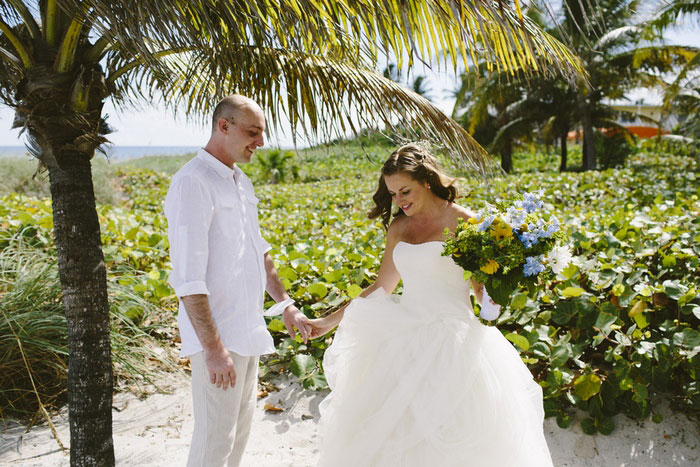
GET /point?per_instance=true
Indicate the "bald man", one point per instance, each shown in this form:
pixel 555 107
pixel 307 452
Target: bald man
pixel 221 270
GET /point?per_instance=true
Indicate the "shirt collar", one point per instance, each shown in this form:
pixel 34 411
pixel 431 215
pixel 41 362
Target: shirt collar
pixel 219 167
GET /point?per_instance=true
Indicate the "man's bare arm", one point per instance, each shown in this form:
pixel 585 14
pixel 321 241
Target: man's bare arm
pixel 216 357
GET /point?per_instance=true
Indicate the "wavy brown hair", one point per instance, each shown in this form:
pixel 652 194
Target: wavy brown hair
pixel 417 162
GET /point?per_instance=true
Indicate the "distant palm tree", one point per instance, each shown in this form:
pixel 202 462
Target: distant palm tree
pixel 614 59
pixel 490 107
pixel 311 62
pixel 609 46
pixel 683 94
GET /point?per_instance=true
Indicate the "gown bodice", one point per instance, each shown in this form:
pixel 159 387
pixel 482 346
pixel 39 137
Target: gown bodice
pixel 428 277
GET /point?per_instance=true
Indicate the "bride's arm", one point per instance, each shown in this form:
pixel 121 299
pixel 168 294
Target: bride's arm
pixel 478 289
pixel 387 278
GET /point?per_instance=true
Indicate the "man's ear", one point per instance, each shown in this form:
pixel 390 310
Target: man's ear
pixel 223 125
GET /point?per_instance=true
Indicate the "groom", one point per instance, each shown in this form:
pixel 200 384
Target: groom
pixel 221 270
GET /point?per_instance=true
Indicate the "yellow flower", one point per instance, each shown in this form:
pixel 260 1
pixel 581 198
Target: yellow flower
pixel 472 220
pixel 490 267
pixel 500 230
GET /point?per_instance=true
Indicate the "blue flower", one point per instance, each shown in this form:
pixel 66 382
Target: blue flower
pixel 528 239
pixel 531 202
pixel 553 227
pixel 533 265
pixel 516 217
pixel 486 223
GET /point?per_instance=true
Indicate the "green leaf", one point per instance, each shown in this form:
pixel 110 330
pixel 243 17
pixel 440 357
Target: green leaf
pixel 641 320
pixel 570 271
pixel 154 240
pixel 276 325
pixel 563 312
pixel 561 354
pixel 588 426
pixel 587 386
pixel 626 384
pixel 618 289
pixel 333 276
pixel 318 289
pixel 354 290
pixel 572 292
pixel 674 289
pixel 318 381
pixel 688 338
pixel 520 341
pixel 604 322
pixel 687 297
pixel 640 392
pixel 288 273
pixel 302 365
pixel 564 420
pixel 131 234
pixel 519 301
pixel 606 426
pixel 541 350
pixel 669 261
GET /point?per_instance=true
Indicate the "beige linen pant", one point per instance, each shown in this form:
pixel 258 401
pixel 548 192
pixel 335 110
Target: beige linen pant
pixel 222 419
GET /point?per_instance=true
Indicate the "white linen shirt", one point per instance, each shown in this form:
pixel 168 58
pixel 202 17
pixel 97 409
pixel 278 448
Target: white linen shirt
pixel 216 249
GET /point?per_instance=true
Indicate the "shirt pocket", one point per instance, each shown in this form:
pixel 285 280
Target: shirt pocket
pixel 228 218
pixel 228 203
pixel 250 198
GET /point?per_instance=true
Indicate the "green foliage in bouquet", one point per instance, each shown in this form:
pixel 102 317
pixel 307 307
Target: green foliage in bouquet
pixel 506 247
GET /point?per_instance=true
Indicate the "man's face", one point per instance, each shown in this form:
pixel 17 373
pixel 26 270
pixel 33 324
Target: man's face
pixel 244 134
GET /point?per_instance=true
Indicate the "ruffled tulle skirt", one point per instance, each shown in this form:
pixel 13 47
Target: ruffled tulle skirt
pixel 427 385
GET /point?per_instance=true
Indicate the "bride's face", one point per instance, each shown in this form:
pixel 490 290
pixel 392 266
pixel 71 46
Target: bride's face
pixel 406 192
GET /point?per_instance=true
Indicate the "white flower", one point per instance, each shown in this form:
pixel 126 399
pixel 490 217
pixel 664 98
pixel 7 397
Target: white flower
pixel 559 258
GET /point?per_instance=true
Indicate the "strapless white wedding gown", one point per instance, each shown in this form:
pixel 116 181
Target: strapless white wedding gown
pixel 418 381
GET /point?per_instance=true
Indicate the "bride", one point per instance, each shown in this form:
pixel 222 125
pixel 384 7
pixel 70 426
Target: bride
pixel 416 379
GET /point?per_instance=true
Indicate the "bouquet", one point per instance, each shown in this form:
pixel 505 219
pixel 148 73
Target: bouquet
pixel 506 247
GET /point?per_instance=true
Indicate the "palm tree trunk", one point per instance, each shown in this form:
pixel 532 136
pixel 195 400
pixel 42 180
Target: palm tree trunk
pixel 83 279
pixel 589 162
pixel 507 157
pixel 564 134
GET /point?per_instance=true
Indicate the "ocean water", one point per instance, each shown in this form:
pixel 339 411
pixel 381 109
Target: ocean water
pixel 115 152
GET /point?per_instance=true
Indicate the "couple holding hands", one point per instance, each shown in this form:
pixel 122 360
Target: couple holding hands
pixel 416 379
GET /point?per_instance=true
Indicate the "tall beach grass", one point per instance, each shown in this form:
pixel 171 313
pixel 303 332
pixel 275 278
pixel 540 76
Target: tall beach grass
pixel 33 334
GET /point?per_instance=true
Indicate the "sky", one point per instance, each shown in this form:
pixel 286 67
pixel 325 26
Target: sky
pixel 155 126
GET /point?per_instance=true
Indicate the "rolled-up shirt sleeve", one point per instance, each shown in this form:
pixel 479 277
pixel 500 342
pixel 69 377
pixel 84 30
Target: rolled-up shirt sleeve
pixel 189 209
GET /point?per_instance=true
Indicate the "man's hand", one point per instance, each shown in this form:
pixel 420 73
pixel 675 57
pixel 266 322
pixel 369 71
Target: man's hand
pixel 220 367
pixel 292 318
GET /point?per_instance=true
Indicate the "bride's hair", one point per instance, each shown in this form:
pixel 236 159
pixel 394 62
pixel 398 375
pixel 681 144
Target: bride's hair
pixel 417 162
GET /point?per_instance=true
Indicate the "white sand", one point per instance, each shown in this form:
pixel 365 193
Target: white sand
pixel 156 432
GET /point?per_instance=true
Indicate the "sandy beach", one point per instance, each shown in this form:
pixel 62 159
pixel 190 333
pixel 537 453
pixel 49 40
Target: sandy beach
pixel 155 431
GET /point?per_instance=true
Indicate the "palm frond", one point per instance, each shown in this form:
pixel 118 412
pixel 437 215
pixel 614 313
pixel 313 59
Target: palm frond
pixel 342 29
pixel 673 10
pixel 324 98
pixel 504 132
pixel 616 36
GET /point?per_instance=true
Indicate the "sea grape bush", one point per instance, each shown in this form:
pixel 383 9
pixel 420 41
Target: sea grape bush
pixel 610 333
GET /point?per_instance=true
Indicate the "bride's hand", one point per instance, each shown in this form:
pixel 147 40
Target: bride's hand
pixel 320 327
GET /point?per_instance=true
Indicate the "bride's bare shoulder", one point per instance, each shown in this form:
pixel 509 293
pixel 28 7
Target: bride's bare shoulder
pixel 396 229
pixel 458 212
